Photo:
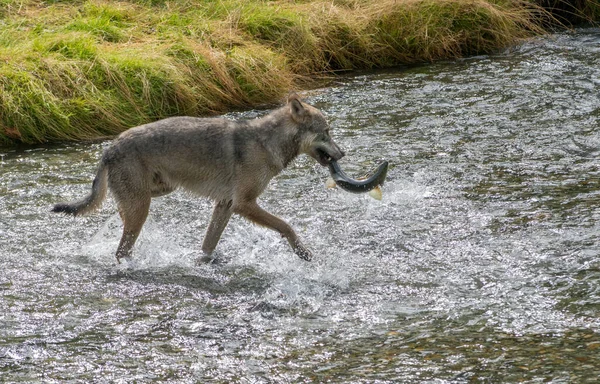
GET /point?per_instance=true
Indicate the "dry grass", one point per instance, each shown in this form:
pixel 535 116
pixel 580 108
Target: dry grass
pixel 82 69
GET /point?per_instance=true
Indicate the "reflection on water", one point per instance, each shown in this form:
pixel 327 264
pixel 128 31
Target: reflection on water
pixel 480 264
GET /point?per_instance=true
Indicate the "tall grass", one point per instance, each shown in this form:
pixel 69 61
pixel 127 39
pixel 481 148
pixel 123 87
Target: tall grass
pixel 83 69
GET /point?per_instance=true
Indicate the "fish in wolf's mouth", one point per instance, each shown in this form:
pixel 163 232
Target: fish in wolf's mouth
pixel 358 186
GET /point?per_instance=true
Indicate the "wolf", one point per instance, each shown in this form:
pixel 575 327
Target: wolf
pixel 230 162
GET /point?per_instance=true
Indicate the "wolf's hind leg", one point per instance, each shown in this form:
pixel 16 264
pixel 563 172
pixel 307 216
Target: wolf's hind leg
pixel 220 217
pixel 252 211
pixel 134 215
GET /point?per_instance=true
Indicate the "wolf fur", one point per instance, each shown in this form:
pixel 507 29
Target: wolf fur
pixel 230 162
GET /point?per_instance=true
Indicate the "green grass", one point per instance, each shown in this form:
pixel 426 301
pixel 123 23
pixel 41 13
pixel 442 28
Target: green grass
pixel 79 69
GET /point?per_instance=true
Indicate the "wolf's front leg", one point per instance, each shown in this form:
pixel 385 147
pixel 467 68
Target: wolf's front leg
pixel 251 211
pixel 220 217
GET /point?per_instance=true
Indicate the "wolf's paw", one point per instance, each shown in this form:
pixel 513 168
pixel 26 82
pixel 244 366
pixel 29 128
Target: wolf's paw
pixel 212 258
pixel 303 252
pixel 127 259
pixel 205 259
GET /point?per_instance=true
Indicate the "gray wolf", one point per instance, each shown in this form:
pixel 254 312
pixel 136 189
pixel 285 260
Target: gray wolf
pixel 230 162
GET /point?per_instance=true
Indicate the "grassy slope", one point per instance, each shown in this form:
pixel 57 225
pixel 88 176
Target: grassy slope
pixel 79 69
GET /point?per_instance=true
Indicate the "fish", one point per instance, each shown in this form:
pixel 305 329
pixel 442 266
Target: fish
pixel 371 184
pixel 376 193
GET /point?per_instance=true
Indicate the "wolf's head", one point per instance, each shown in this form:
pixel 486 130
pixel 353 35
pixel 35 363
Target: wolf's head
pixel 315 139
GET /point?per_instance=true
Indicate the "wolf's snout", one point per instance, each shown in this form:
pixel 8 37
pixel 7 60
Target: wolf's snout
pixel 336 152
pixel 325 154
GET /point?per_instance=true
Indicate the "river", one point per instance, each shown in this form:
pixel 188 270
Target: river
pixel 480 264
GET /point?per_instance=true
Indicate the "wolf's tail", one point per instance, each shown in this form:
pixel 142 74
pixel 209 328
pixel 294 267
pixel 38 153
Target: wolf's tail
pixel 92 201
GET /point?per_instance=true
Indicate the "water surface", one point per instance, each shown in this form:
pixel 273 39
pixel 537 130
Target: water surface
pixel 480 264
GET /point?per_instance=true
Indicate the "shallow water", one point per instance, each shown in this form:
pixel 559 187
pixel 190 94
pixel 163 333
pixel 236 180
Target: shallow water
pixel 480 264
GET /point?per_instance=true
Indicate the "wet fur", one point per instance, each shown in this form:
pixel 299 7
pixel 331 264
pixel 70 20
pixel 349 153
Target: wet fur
pixel 230 162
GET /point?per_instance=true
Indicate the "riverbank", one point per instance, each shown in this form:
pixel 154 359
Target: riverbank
pixel 81 70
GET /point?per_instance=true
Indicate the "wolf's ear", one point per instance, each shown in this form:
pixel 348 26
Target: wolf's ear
pixel 296 107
